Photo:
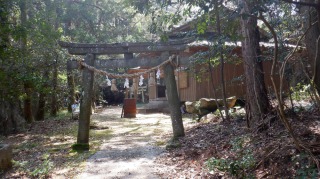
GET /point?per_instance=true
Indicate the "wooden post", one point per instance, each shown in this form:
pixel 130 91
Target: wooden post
pixel 152 86
pixel 85 106
pixel 129 92
pixel 143 89
pixel 136 86
pixel 173 99
pixel 128 56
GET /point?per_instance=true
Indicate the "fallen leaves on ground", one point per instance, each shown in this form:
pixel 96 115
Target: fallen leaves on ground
pixel 273 151
pixel 44 149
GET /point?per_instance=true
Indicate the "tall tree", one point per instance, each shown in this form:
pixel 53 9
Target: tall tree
pixel 218 26
pixel 28 86
pixel 71 87
pixel 10 88
pixel 256 95
pixel 54 100
pixel 104 22
pixel 42 97
pixel 30 30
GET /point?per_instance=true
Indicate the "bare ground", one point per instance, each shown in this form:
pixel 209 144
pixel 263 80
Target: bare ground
pixel 119 147
pixel 135 148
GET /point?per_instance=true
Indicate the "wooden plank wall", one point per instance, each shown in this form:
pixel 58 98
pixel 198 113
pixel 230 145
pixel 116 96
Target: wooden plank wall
pixel 189 93
pixel 234 78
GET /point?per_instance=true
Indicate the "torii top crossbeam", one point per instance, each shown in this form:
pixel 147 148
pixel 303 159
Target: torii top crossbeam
pixel 124 48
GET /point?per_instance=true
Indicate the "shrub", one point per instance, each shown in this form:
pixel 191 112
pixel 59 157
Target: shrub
pixel 243 161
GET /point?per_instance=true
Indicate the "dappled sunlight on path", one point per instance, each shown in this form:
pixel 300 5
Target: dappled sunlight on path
pixel 133 147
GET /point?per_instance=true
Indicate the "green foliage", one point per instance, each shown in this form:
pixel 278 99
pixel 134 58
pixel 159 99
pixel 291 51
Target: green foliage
pixel 307 173
pixel 19 164
pixel 100 135
pixel 80 147
pixel 61 115
pixel 305 169
pixel 300 91
pixel 104 22
pixel 28 145
pixel 217 113
pixel 173 143
pixel 202 27
pixel 242 162
pixel 29 52
pixel 43 170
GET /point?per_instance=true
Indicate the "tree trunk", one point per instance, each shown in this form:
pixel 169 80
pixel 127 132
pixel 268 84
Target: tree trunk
pixel 10 119
pixel 256 94
pixel 23 18
pixel 41 107
pixel 311 40
pixel 71 87
pixel 173 99
pixel 42 98
pixel 15 117
pixel 316 77
pixel 27 104
pixel 54 100
pixel 27 84
pixel 218 25
pixel 85 106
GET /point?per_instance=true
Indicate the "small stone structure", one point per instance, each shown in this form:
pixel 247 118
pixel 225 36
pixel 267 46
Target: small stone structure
pixel 5 157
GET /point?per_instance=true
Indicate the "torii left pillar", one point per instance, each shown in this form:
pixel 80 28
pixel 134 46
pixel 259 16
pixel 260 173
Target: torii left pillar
pixel 85 105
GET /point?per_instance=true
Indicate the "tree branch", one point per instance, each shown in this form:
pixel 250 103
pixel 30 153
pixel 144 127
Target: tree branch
pixel 92 5
pixel 302 3
pixel 277 93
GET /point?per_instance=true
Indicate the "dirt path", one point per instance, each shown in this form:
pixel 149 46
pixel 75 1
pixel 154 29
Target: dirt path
pixel 132 148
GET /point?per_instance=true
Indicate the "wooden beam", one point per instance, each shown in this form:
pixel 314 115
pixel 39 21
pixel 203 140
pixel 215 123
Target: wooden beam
pixel 123 45
pixel 118 50
pixel 123 48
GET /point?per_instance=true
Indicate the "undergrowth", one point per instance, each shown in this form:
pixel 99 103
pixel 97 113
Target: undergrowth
pixel 304 168
pixel 243 160
pixel 51 147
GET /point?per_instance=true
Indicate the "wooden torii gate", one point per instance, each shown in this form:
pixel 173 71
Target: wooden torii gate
pixel 128 49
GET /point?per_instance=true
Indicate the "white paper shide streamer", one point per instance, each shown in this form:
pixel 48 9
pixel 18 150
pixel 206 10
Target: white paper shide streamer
pixel 126 83
pixel 158 74
pixel 108 81
pixel 141 80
